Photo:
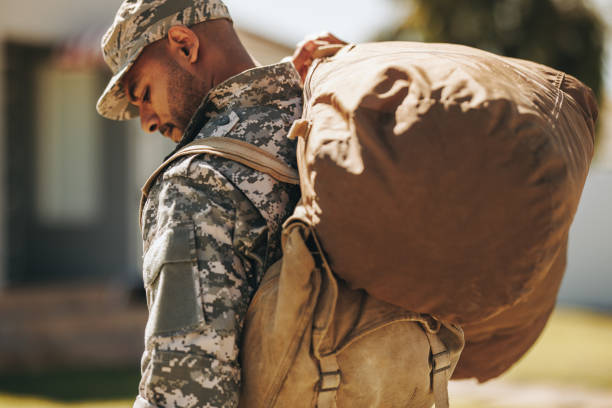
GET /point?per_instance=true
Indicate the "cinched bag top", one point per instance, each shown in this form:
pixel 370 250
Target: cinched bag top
pixel 137 24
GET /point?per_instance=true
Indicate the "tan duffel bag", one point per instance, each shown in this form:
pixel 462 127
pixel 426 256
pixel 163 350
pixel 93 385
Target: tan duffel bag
pixel 444 179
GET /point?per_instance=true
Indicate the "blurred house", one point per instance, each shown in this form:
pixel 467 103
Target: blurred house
pixel 69 189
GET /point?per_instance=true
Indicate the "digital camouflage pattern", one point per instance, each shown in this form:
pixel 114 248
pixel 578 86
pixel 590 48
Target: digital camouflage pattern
pixel 137 24
pixel 211 228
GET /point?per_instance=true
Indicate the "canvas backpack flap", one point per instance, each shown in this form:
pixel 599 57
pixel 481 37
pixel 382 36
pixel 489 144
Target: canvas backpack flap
pixel 384 354
pixel 355 352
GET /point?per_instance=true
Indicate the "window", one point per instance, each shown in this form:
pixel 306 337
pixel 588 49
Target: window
pixel 67 146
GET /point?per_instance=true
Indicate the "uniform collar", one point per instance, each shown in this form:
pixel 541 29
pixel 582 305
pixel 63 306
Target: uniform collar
pixel 268 85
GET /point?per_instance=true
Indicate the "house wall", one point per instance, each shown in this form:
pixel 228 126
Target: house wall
pixel 48 21
pixel 588 277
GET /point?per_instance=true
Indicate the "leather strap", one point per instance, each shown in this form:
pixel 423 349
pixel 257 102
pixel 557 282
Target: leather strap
pixel 440 369
pixel 330 380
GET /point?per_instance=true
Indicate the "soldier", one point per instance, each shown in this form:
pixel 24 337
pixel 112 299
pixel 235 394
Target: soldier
pixel 210 226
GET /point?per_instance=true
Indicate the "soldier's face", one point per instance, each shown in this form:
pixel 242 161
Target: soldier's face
pixel 165 93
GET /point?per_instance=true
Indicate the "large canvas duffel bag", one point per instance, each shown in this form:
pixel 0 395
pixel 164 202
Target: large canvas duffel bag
pixel 444 179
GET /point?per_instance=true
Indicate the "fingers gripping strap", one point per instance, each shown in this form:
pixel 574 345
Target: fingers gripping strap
pixel 440 369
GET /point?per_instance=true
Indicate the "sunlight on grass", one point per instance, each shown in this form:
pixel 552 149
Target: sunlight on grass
pixel 573 352
pixel 575 349
pixel 482 404
pixel 29 402
pixel 568 367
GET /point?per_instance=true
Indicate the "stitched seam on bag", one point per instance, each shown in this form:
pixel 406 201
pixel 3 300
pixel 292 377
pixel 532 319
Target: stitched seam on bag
pixel 560 97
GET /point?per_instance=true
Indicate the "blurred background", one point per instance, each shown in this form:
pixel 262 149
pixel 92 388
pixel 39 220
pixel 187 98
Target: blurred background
pixel 72 313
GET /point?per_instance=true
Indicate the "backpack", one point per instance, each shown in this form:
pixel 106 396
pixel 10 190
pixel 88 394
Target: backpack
pixel 311 341
pixel 444 179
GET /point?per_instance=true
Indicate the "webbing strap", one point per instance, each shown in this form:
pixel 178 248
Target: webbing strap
pixel 232 149
pixel 330 380
pixel 237 150
pixel 440 369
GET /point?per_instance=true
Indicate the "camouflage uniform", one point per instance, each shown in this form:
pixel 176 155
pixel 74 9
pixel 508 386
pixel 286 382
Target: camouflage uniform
pixel 211 227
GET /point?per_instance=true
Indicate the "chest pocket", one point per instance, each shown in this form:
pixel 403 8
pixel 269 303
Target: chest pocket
pixel 172 283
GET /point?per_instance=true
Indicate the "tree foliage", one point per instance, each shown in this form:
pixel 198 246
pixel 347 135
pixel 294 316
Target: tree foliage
pixel 564 34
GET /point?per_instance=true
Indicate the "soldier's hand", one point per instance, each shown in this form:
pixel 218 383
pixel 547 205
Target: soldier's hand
pixel 306 51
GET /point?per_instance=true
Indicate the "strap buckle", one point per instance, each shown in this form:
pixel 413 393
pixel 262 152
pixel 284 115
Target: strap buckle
pixel 440 362
pixel 330 381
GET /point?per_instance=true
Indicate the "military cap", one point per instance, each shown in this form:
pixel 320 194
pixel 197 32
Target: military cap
pixel 137 24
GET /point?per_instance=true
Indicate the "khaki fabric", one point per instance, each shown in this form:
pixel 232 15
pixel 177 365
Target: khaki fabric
pixel 514 330
pixel 444 179
pixel 311 341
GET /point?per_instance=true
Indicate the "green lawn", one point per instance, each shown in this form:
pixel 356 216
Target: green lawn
pixel 574 350
pixel 27 402
pixel 85 388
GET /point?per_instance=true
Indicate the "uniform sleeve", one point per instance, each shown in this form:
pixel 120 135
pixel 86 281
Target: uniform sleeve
pixel 197 286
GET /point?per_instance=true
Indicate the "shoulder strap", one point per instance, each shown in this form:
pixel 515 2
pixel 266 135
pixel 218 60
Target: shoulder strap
pixel 440 369
pixel 237 150
pixel 232 149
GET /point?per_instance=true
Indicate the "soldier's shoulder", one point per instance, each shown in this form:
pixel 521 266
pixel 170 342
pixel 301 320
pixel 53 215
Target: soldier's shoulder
pixel 187 186
pixel 195 167
pixel 190 173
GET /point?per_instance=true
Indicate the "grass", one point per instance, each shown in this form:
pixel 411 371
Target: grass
pixel 70 388
pixel 30 402
pixel 574 350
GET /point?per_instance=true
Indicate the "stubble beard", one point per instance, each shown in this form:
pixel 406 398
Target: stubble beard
pixel 185 93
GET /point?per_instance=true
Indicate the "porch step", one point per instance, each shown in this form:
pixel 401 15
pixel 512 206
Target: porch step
pixel 70 327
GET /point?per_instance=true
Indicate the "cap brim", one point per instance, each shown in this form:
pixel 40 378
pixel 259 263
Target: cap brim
pixel 113 103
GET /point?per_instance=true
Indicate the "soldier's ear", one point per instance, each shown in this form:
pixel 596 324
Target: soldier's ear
pixel 184 44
